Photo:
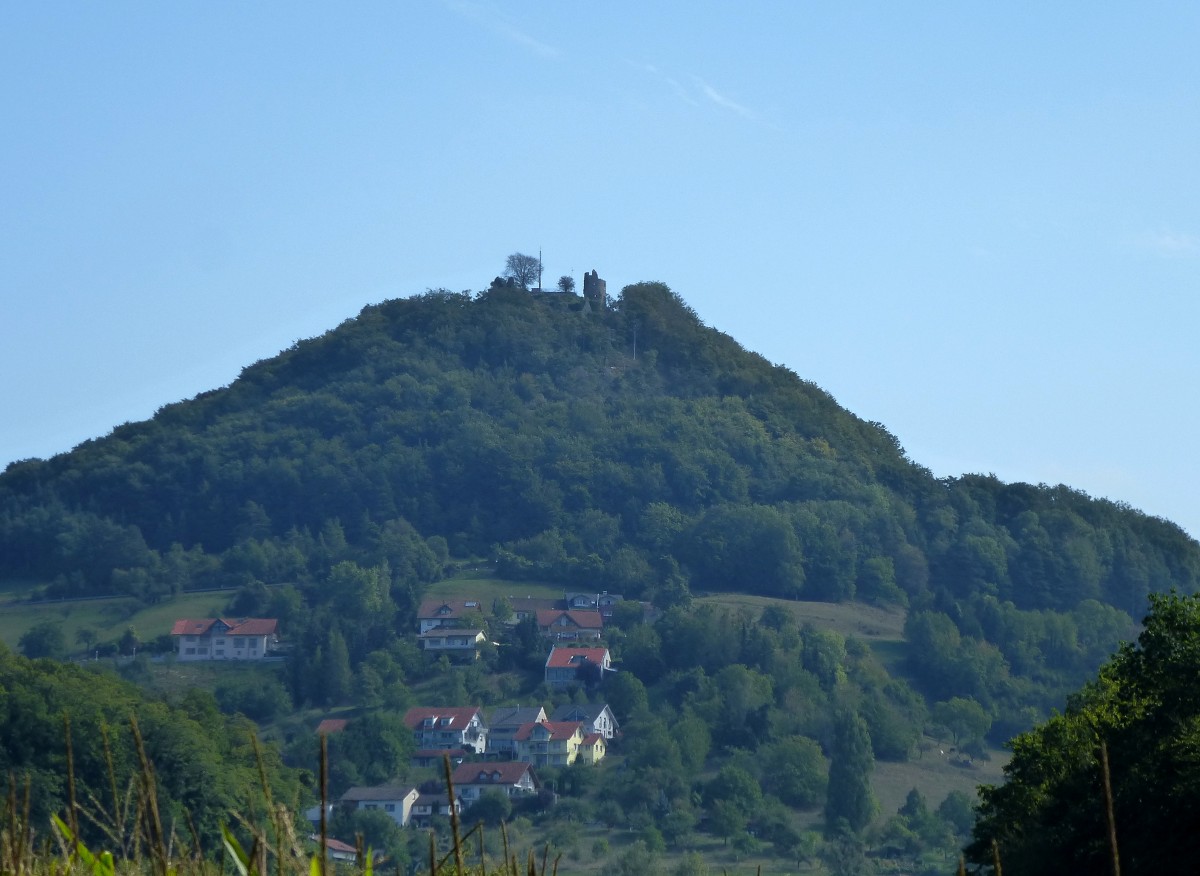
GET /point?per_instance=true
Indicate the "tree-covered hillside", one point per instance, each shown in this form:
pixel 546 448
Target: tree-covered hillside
pixel 70 730
pixel 627 448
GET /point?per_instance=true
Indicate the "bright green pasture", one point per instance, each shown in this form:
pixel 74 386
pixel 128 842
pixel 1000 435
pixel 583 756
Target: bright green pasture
pixel 477 585
pixel 109 617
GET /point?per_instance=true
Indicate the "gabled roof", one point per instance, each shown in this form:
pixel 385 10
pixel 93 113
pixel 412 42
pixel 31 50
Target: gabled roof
pixel 450 633
pixel 433 609
pixel 502 773
pixel 433 798
pixel 593 738
pixel 515 716
pixel 584 619
pixel 332 725
pixel 588 712
pixel 248 626
pixel 555 730
pixel 563 658
pixel 335 845
pixel 383 792
pixel 533 603
pixel 443 719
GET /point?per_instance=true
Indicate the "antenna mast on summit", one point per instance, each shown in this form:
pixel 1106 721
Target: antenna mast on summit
pixel 539 267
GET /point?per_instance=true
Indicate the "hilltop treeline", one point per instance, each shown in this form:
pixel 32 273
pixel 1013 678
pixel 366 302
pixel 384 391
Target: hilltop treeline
pixel 629 448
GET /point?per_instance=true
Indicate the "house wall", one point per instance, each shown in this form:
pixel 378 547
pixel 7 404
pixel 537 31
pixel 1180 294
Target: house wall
pixel 222 647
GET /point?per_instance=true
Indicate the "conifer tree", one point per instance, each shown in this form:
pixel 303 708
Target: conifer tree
pixel 849 798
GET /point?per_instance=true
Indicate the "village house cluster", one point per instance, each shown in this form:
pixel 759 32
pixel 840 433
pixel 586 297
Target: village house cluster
pixel 499 751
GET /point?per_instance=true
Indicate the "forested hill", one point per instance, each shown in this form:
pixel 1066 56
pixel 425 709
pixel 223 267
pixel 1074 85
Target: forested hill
pixel 629 448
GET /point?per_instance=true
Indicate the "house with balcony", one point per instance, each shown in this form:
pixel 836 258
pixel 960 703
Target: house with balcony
pixel 448 729
pixel 570 666
pixel 224 638
pixel 504 722
pixel 511 778
pixel 435 613
pixel 549 744
pixel 595 717
pixel 458 645
pixel 564 625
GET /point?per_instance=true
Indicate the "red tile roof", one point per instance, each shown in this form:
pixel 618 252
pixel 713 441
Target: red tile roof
pixel 459 717
pixel 332 725
pixel 556 729
pixel 593 738
pixel 563 658
pixel 248 626
pixel 503 773
pixel 586 619
pixel 432 609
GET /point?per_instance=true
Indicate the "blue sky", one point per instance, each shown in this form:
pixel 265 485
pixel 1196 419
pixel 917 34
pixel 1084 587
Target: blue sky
pixel 978 225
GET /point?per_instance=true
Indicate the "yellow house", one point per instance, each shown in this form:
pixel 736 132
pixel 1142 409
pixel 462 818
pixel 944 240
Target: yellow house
pixel 592 749
pixel 548 743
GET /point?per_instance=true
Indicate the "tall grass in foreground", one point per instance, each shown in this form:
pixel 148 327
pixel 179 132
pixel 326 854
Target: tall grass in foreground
pixel 132 824
pixel 139 845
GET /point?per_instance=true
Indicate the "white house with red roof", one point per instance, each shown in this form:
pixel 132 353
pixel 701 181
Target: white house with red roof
pixel 448 729
pixel 435 613
pixel 511 778
pixel 456 644
pixel 224 638
pixel 568 666
pixel 570 625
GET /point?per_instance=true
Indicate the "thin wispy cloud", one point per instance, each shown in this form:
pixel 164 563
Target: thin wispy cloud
pixel 724 102
pixel 1169 243
pixel 696 92
pixel 490 19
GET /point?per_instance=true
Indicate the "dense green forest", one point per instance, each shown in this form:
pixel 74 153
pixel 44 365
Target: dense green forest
pixel 202 764
pixel 627 448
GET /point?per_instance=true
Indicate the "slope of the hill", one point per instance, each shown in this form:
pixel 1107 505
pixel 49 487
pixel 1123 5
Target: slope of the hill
pixel 628 448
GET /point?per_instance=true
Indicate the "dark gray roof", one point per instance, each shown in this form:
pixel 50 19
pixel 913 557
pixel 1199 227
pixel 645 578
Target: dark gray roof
pixel 505 716
pixel 574 712
pixel 355 795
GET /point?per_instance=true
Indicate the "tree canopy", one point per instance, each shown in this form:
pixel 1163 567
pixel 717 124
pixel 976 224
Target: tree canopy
pixel 1144 708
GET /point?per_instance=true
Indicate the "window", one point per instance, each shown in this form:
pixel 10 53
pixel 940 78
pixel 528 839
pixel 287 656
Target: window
pixel 239 642
pixel 389 807
pixel 189 651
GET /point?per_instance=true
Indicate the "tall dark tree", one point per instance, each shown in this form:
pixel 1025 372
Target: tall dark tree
pixel 849 799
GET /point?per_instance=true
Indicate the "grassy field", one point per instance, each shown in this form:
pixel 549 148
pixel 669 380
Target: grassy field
pixel 477 584
pixel 109 617
pixel 867 622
